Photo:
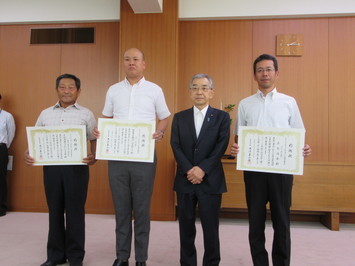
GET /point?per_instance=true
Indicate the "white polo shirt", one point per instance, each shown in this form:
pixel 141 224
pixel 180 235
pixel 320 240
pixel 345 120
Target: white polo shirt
pixel 142 101
pixel 276 110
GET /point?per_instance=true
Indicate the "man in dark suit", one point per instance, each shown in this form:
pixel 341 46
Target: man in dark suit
pixel 199 138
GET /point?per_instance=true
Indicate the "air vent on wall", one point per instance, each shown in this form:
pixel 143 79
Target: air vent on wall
pixel 62 35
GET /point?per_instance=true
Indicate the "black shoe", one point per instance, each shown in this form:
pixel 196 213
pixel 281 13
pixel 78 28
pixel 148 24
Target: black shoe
pixel 2 214
pixel 52 263
pixel 141 263
pixel 118 262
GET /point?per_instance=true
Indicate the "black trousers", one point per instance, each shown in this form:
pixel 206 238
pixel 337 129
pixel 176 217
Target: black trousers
pixel 3 183
pixel 276 189
pixel 66 190
pixel 209 206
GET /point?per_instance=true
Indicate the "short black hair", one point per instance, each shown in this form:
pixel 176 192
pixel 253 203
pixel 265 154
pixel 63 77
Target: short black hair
pixel 68 76
pixel 0 96
pixel 266 57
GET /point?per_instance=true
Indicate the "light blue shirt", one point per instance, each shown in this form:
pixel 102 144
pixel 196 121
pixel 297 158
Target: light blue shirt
pixel 7 128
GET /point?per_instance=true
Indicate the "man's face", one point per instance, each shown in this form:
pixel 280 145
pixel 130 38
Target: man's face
pixel 201 92
pixel 67 92
pixel 265 75
pixel 134 64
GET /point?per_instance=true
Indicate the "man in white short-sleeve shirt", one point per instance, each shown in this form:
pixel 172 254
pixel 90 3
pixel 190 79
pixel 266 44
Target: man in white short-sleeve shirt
pixel 268 108
pixel 131 183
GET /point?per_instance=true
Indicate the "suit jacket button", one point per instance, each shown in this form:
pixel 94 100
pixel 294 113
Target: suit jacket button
pixel 196 150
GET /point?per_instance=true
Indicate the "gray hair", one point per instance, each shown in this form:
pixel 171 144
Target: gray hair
pixel 201 76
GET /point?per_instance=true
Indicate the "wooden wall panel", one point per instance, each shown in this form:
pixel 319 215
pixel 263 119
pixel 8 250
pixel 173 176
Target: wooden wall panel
pixel 221 49
pixel 156 35
pixel 97 65
pixel 323 187
pixel 27 85
pixel 321 81
pixel 235 196
pixel 341 89
pixel 27 82
pixel 305 77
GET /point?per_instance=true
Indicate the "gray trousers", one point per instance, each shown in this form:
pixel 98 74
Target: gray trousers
pixel 132 187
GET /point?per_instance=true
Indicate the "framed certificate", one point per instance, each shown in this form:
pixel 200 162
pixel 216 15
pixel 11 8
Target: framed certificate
pixel 122 140
pixel 59 145
pixel 273 150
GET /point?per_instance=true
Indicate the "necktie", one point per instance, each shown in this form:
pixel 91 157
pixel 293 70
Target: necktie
pixel 198 122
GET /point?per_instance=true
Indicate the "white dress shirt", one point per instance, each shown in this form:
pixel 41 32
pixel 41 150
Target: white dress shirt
pixel 7 128
pixel 276 110
pixel 199 116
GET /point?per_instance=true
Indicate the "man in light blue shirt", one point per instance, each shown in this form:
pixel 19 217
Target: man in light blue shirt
pixel 7 133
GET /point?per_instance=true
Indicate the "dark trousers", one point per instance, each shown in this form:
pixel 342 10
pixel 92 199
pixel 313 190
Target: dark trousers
pixel 276 189
pixel 209 206
pixel 66 189
pixel 132 185
pixel 3 183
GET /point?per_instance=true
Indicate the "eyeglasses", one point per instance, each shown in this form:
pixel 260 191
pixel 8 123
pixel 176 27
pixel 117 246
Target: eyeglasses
pixel 204 89
pixel 267 70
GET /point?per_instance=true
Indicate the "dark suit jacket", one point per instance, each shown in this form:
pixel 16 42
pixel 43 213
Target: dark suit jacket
pixel 205 152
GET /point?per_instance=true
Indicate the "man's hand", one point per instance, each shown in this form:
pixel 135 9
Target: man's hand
pixel 90 160
pixel 28 159
pixel 195 175
pixel 234 149
pixel 158 135
pixel 96 132
pixel 307 150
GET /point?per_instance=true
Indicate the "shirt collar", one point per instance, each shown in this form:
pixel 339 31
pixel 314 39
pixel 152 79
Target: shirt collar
pixel 203 111
pixel 141 81
pixel 271 94
pixel 75 105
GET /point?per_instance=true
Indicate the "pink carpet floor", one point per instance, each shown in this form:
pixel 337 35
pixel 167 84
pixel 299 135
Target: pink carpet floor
pixel 23 242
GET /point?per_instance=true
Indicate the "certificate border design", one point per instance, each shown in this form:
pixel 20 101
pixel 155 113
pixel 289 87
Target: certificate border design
pixel 104 122
pixel 32 131
pixel 297 132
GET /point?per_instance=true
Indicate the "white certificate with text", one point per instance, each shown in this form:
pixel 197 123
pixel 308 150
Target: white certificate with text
pixel 125 140
pixel 273 150
pixel 57 145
